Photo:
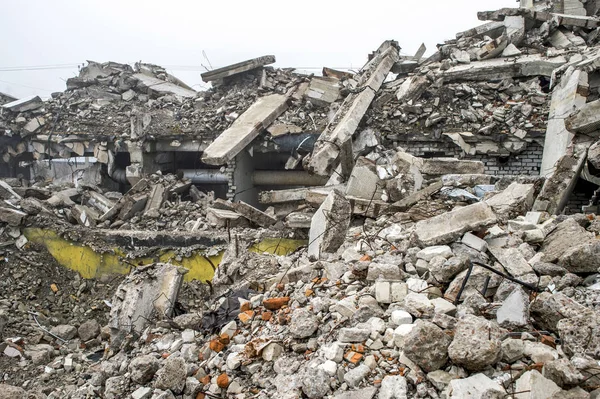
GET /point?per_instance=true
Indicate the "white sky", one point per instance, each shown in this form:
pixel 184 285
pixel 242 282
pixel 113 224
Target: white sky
pixel 175 33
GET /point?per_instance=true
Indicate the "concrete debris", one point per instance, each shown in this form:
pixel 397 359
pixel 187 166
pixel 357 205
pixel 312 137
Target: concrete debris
pixel 158 242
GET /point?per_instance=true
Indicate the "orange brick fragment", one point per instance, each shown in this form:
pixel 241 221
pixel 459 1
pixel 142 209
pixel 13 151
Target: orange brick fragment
pixel 200 395
pixel 353 357
pixel 365 258
pixel 223 381
pixel 309 292
pixel 54 288
pixel 205 380
pixel 266 316
pixel 245 306
pixel 276 303
pixel 246 316
pixel 216 345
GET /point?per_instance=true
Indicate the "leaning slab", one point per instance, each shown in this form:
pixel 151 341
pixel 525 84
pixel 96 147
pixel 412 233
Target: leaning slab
pixel 446 228
pixel 328 226
pixel 254 215
pixel 149 292
pixel 326 153
pixel 245 129
pixel 234 69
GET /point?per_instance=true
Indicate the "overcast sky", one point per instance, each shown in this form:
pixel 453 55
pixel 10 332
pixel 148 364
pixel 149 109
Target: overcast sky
pixel 177 34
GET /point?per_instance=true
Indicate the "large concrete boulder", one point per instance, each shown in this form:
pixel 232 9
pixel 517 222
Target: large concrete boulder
pixel 584 258
pixel 580 335
pixel 563 238
pixel 513 201
pixel 427 345
pixel 548 309
pixel 476 343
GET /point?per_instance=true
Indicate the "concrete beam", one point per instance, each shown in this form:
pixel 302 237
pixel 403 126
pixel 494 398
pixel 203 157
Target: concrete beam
pixel 542 16
pixel 326 153
pixel 240 67
pixel 245 129
pixel 566 97
pixel 24 104
pixel 500 68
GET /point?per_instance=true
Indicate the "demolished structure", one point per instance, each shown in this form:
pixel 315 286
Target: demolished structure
pixel 425 227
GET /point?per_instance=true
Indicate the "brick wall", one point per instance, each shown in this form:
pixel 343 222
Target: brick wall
pixel 576 201
pixel 526 163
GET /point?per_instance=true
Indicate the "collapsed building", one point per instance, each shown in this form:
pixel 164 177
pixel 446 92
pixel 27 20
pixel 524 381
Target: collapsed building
pixel 423 227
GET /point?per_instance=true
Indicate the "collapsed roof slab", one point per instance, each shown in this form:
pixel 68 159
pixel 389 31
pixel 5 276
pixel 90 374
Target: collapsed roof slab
pixel 161 87
pixel 542 16
pixel 500 68
pixel 240 67
pixel 245 129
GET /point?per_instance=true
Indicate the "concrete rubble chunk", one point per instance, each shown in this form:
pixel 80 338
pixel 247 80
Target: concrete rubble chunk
pixel 476 343
pixel 237 68
pixel 477 386
pixel 533 385
pixel 584 258
pixel 427 345
pixel 323 91
pixel 245 129
pixel 561 240
pixel 562 372
pixel 172 375
pixel 355 376
pixel 580 334
pixel 328 226
pixel 548 309
pixel 148 292
pixel 515 200
pixel 364 393
pixel 12 217
pixel 513 261
pixel 430 252
pixel 393 387
pixel 304 323
pixel 586 119
pixel 447 227
pixel 514 311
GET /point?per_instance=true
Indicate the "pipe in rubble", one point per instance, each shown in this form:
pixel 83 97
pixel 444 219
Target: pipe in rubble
pixel 259 177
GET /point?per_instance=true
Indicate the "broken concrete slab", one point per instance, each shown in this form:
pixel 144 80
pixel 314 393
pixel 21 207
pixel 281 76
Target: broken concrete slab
pixel 329 225
pixel 12 217
pixel 499 68
pixel 512 260
pixel 448 227
pixel 568 96
pixel 364 181
pixel 160 87
pixel 24 104
pixel 254 215
pixel 323 91
pixel 444 166
pixel 326 153
pixel 245 129
pixel 237 68
pixel 149 292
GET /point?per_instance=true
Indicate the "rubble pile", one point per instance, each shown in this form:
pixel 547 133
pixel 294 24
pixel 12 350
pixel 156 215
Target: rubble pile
pixel 421 276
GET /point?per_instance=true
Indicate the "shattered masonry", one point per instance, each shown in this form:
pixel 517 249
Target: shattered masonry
pixel 423 228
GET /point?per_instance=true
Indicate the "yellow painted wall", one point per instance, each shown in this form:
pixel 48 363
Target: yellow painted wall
pixel 90 264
